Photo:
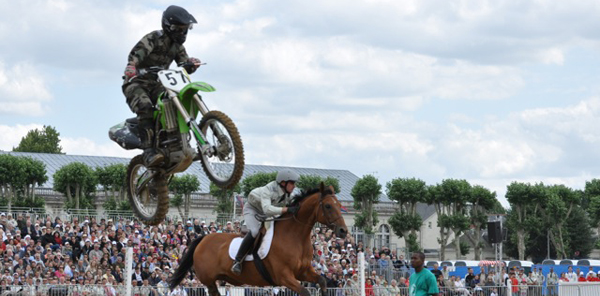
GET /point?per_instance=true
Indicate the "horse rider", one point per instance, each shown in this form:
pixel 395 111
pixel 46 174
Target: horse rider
pixel 267 201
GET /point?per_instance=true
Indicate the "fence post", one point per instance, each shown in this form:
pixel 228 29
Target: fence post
pixel 361 273
pixel 129 269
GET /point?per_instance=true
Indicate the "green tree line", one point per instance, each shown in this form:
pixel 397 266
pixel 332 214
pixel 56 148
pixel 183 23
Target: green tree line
pixel 539 214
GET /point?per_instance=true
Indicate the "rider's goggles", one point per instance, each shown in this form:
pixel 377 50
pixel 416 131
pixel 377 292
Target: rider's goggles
pixel 180 28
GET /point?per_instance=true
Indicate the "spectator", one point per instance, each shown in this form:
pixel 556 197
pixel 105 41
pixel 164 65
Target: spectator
pixel 571 276
pixel 436 272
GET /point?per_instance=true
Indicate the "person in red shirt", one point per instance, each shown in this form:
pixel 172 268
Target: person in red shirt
pixel 563 278
pixel 369 288
pixel 581 277
pixel 514 282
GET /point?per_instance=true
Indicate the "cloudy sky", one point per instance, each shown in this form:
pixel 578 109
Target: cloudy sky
pixel 489 91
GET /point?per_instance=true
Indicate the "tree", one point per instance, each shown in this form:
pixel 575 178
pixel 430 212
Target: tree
pixel 481 201
pixel 257 180
pixel 407 193
pixel 579 234
pixel 11 177
pixel 18 178
pixel 112 178
pixel 366 193
pixel 34 175
pixel 443 208
pixel 558 208
pixel 40 141
pixel 456 193
pixel 224 198
pixel 307 182
pixel 526 203
pixel 77 182
pixel 183 187
pixel 592 194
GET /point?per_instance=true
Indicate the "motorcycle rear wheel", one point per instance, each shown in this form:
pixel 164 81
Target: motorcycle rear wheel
pixel 152 204
pixel 224 163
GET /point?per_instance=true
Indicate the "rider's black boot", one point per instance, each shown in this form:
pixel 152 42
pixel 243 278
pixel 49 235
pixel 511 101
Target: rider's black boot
pixel 241 254
pixel 151 156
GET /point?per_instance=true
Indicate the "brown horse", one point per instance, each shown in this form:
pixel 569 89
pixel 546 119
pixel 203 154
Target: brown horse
pixel 289 259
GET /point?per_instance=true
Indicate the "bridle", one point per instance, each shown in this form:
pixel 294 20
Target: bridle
pixel 330 224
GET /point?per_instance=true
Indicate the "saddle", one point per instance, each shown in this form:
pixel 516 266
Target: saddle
pixel 258 251
pixel 260 248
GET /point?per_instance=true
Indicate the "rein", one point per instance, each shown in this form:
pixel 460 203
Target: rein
pixel 330 224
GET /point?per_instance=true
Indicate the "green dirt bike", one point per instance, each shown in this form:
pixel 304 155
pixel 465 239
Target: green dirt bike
pixel 218 144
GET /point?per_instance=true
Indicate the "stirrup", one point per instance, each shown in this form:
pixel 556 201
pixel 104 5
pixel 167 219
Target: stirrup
pixel 237 267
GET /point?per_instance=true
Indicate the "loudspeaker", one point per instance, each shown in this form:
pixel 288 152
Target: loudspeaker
pixel 494 232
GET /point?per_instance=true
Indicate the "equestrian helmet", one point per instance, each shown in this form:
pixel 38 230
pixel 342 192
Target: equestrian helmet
pixel 286 176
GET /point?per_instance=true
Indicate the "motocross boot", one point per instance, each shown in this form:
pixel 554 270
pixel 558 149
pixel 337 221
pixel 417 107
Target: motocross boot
pixel 151 156
pixel 241 254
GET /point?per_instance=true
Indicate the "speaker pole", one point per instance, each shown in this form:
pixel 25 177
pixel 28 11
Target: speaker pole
pixel 499 244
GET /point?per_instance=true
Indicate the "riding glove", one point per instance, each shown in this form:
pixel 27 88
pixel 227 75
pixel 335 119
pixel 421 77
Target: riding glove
pixel 293 210
pixel 130 71
pixel 192 64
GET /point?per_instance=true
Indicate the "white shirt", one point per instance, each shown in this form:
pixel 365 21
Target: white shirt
pixel 572 277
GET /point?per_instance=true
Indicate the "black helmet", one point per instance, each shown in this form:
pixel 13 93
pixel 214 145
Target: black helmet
pixel 175 23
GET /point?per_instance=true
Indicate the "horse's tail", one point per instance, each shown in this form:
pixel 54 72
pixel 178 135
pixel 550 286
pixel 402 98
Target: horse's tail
pixel 185 264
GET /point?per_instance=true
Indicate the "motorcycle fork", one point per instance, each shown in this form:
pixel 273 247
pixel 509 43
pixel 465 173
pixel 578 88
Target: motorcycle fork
pixel 190 121
pixel 203 110
pixel 143 180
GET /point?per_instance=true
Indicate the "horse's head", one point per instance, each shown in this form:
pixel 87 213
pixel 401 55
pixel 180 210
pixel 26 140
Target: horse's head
pixel 329 212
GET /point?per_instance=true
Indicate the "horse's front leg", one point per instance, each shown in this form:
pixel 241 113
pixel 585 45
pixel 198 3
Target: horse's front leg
pixel 290 281
pixel 311 276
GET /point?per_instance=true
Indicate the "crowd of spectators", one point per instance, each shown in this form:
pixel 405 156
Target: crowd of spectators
pixel 337 260
pixel 41 253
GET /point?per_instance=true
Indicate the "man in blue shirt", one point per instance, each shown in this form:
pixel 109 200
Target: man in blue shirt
pixel 422 282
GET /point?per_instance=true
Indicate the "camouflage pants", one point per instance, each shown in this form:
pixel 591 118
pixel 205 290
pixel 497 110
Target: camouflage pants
pixel 141 96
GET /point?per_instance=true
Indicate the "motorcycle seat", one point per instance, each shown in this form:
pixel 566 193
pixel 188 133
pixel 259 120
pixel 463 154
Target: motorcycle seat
pixel 132 120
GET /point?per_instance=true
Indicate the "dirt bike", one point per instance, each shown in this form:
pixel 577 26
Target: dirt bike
pixel 218 144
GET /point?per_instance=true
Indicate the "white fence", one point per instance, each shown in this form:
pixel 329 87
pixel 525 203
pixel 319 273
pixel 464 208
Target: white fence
pixel 562 289
pixel 120 290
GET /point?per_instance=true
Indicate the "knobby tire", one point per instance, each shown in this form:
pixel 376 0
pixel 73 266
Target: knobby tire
pixel 231 129
pixel 162 206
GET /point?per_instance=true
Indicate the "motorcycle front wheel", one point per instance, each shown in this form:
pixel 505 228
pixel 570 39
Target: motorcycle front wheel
pixel 149 202
pixel 223 161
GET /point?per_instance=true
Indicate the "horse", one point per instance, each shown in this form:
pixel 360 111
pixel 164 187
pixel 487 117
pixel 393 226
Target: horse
pixel 290 255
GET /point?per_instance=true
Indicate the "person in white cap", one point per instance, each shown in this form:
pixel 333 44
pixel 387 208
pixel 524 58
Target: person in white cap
pixel 267 201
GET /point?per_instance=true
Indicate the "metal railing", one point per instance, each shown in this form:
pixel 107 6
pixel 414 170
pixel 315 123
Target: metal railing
pixel 389 272
pixel 145 290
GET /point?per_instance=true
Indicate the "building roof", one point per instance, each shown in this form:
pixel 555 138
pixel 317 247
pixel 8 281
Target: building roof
pixel 425 210
pixel 55 161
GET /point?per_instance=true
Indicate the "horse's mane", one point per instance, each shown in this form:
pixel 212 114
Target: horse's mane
pixel 299 198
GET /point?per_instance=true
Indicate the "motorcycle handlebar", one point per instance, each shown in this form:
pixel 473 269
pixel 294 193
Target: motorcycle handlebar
pixel 155 69
pixel 150 70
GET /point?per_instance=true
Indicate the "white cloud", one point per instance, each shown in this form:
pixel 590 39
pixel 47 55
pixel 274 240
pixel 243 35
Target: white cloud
pixel 85 146
pixel 23 90
pixel 552 56
pixel 11 135
pixel 402 88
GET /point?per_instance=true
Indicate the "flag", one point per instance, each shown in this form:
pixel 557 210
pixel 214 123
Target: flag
pixel 240 201
pixel 344 210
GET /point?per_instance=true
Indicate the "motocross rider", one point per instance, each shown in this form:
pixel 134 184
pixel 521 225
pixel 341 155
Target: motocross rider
pixel 267 201
pixel 158 48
